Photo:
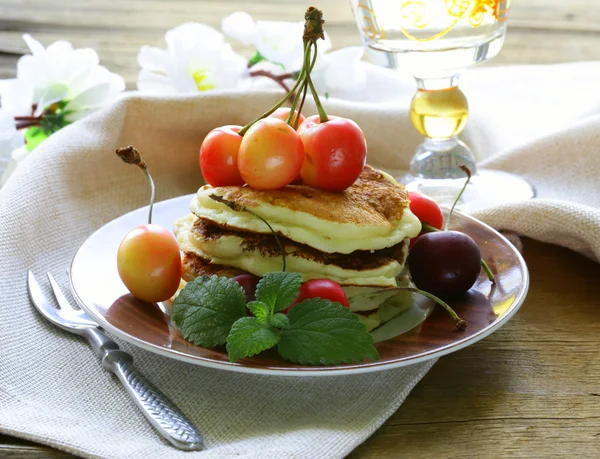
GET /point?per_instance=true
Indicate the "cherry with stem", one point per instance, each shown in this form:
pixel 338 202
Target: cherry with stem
pixel 427 228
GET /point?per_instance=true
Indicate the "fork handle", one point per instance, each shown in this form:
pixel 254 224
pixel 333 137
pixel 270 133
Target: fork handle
pixel 162 414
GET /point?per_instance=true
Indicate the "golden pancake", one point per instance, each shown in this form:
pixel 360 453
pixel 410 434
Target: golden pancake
pixel 371 214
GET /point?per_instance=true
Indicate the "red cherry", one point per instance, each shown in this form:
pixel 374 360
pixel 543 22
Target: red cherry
pixel 219 156
pixel 320 288
pixel 336 152
pixel 149 263
pixel 426 210
pixel 271 155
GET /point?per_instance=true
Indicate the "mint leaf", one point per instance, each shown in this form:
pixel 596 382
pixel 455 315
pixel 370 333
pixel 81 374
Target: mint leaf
pixel 278 290
pixel 206 309
pixel 249 337
pixel 322 332
pixel 260 310
pixel 279 320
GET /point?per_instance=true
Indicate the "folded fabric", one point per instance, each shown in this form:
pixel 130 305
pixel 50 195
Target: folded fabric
pixel 540 122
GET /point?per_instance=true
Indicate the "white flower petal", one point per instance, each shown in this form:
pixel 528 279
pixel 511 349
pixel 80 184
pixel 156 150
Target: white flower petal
pixel 240 26
pixel 182 79
pixel 153 83
pixel 59 47
pixel 280 42
pixel 187 35
pixel 324 45
pixel 51 95
pixel 35 46
pixel 28 69
pixel 92 97
pixel 197 59
pixel 16 96
pixel 60 73
pixel 154 59
pixel 80 81
pixel 82 59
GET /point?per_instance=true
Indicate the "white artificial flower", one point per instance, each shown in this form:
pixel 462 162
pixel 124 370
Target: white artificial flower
pixel 59 73
pixel 10 140
pixel 197 58
pixel 278 42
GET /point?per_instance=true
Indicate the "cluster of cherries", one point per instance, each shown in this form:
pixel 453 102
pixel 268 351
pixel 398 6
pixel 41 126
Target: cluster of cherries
pixel 282 148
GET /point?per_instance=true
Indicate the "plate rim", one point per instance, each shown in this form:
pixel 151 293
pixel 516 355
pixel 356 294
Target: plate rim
pixel 359 368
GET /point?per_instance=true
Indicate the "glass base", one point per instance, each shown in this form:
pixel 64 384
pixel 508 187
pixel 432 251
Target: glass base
pixel 440 159
pixel 486 189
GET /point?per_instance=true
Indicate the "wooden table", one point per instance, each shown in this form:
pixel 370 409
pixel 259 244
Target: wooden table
pixel 530 390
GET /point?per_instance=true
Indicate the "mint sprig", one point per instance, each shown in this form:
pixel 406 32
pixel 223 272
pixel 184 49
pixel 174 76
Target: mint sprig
pixel 206 309
pixel 211 311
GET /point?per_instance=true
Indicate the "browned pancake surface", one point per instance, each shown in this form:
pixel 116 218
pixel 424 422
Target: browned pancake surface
pixel 195 266
pixel 266 245
pixel 371 200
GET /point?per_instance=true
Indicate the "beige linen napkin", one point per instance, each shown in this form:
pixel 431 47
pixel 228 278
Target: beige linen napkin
pixel 541 122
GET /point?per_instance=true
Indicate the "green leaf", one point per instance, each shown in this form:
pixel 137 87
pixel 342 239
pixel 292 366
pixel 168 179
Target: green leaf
pixel 278 290
pixel 260 310
pixel 322 332
pixel 206 309
pixel 249 337
pixel 279 320
pixel 34 136
pixel 256 59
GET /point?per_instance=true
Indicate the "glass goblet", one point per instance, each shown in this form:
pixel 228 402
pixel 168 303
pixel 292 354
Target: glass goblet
pixel 435 40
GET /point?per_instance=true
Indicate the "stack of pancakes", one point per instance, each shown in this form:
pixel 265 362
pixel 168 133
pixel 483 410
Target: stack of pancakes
pixel 358 238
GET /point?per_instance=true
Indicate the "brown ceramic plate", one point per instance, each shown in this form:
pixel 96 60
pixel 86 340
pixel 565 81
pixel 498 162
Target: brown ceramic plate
pixel 421 333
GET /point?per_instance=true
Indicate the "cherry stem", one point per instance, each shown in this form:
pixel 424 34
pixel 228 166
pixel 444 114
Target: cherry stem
pixel 241 208
pixel 322 115
pixel 27 124
pixel 130 155
pixel 468 172
pixel 302 89
pixel 283 254
pixel 460 323
pixel 297 120
pixel 152 194
pixel 279 79
pixel 275 107
pixel 28 118
pixel 313 30
pixel 488 272
pixel 427 228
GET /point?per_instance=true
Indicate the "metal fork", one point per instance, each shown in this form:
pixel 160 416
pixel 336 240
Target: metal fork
pixel 162 414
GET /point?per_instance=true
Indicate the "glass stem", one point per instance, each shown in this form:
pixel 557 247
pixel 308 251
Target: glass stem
pixel 439 112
